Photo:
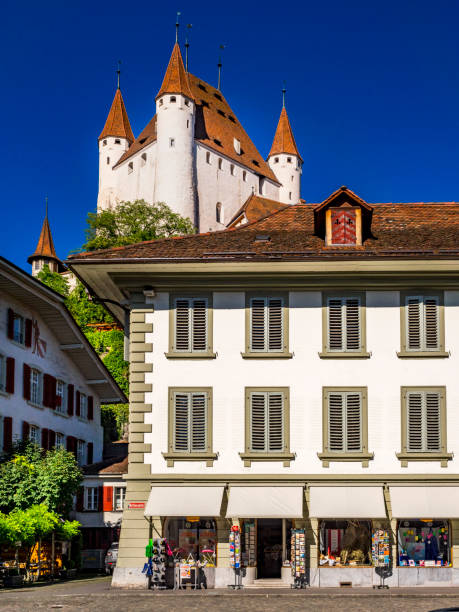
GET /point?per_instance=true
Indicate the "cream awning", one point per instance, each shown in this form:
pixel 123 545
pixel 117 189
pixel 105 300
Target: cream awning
pixel 265 502
pixel 346 502
pixel 184 501
pixel 424 502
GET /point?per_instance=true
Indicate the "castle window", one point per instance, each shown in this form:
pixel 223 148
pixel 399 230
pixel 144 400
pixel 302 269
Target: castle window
pixel 289 195
pixel 187 123
pixel 208 157
pixel 161 102
pixel 220 112
pixel 291 178
pixel 231 118
pixel 260 186
pixel 298 164
pixel 244 176
pixel 289 160
pixel 130 167
pixel 108 160
pixel 237 145
pixel 232 169
pixel 219 212
pixel 117 141
pixel 143 159
pixel 173 99
pixel 220 164
pixel 201 86
pixel 104 143
pixel 172 142
pixel 276 160
pixel 187 102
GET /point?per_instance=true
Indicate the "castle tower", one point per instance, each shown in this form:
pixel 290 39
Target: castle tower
pixel 45 253
pixel 115 139
pixel 175 182
pixel 285 161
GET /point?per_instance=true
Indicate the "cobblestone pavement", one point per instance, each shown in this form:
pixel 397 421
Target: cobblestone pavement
pixel 96 594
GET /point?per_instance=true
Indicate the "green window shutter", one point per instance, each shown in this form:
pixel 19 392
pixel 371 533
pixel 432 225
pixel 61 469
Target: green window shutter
pixel 345 422
pixel 181 421
pixel 275 327
pixel 198 419
pixel 353 422
pixel 432 421
pixel 336 422
pixel 431 323
pixel 258 330
pixel 275 422
pixel 199 325
pixel 423 421
pixel 258 422
pixel 182 325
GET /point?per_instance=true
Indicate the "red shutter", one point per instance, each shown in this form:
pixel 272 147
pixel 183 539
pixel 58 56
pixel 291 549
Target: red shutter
pixel 46 378
pixel 343 222
pixel 51 439
pixel 90 452
pixel 10 375
pixel 90 408
pixel 52 392
pixel 28 332
pixel 80 499
pixel 25 431
pixel 108 499
pixel 26 382
pixel 7 433
pixel 101 501
pixel 77 406
pixel 71 399
pixel 10 330
pixel 44 438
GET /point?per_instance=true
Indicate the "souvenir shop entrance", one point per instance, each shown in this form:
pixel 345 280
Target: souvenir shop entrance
pixel 269 548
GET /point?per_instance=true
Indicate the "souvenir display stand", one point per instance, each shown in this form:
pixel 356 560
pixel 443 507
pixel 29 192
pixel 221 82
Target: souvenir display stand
pixel 298 559
pixel 155 567
pixel 249 556
pixel 380 552
pixel 235 556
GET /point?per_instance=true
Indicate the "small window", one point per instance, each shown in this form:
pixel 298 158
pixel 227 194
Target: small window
pixel 35 387
pixel 142 140
pixel 108 161
pixel 231 118
pixel 187 123
pixel 187 102
pixel 190 421
pixel 266 325
pixel 220 163
pixel 289 160
pixel 255 162
pixel 119 495
pixel 60 440
pixel 291 178
pixel 130 167
pixel 218 142
pixel 205 104
pixel 276 160
pixel 161 102
pixel 18 329
pixel 244 176
pixel 104 143
pixel 172 99
pixel 172 142
pixel 218 96
pixel 143 159
pixel 208 157
pixel 237 145
pixel 220 112
pixel 83 406
pixel 117 141
pixel 298 164
pixel 232 169
pixel 91 498
pixel 34 434
pixel 81 447
pixel 219 212
pixel 260 186
pixel 61 397
pixel 201 86
pixel 289 195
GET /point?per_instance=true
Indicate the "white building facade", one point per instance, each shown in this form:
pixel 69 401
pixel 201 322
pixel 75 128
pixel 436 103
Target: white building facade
pixel 52 382
pixel 299 373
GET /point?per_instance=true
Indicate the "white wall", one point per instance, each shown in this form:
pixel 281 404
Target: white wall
pixel 305 374
pixel 289 174
pixel 55 362
pixel 110 152
pixel 100 519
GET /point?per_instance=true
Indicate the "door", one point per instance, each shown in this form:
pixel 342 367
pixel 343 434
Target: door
pixel 269 548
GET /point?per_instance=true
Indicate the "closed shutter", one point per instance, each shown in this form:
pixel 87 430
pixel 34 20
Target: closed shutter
pixel 198 422
pixel 181 425
pixel 25 431
pixel 267 422
pixel 44 439
pixel 431 323
pixel 182 325
pixel 199 329
pixel 80 499
pixel 52 393
pixel 345 422
pixel 9 387
pixel 191 325
pixel 423 421
pixel 90 408
pixel 266 325
pixel 51 439
pixel 344 326
pixel 190 422
pixel 28 333
pixel 7 433
pixel 26 381
pixel 343 223
pixel 71 399
pixel 108 499
pixel 10 324
pixel 422 323
pixel 90 452
pixel 414 323
pixel 78 403
pixel 100 498
pixel 47 390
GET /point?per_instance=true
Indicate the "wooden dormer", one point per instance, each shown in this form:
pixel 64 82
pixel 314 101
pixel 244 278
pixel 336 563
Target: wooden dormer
pixel 343 219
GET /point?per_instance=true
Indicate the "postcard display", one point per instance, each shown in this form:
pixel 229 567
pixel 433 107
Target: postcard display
pixel 249 556
pixel 380 554
pixel 298 558
pixel 155 567
pixel 235 556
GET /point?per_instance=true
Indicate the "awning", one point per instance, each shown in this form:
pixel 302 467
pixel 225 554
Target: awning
pixel 184 501
pixel 424 502
pixel 346 502
pixel 265 502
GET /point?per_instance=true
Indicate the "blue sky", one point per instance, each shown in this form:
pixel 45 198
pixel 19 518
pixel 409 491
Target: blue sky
pixel 372 95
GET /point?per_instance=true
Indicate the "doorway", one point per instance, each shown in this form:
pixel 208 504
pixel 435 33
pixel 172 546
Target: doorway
pixel 269 548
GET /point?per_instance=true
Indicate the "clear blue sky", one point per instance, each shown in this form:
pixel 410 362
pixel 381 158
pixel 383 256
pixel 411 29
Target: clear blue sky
pixel 373 95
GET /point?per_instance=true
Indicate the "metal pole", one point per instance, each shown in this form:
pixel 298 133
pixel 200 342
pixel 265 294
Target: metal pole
pixel 284 540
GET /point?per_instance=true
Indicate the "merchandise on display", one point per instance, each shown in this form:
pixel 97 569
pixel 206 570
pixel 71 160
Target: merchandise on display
pixel 298 557
pixel 155 567
pixel 250 552
pixel 424 543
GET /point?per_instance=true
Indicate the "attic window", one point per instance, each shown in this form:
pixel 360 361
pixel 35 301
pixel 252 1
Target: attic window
pixel 244 176
pixel 117 141
pixel 172 99
pixel 262 238
pixel 142 140
pixel 220 163
pixel 220 112
pixel 218 96
pixel 276 160
pixel 204 103
pixel 104 143
pixel 254 161
pixel 343 226
pixel 130 167
pixel 218 142
pixel 289 160
pixel 201 86
pixel 231 118
pixel 208 157
pixel 237 145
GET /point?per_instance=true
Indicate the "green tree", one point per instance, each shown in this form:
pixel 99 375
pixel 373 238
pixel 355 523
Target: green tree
pixel 54 280
pixel 131 222
pixel 84 310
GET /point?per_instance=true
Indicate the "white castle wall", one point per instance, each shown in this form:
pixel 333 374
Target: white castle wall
pixel 305 374
pixel 289 174
pixel 109 153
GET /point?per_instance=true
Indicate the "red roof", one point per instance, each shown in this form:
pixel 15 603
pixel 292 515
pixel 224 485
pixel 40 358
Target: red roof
pixel 254 208
pixel 176 79
pixel 284 142
pixel 45 246
pixel 117 124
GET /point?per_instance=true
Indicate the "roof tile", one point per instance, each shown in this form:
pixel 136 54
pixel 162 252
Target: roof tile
pixel 117 123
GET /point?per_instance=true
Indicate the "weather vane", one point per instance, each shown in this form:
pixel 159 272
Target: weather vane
pixel 187 44
pixel 177 25
pixel 220 64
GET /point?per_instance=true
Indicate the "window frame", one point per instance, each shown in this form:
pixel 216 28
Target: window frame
pixel 94 499
pixel 22 319
pixel 62 409
pixel 362 353
pixel 62 443
pixel 423 353
pixel 39 403
pixel 405 456
pixel 80 456
pixel 83 404
pixel 37 429
pixel 172 455
pixel 173 353
pixel 285 352
pixel 327 456
pixel 123 498
pixel 248 456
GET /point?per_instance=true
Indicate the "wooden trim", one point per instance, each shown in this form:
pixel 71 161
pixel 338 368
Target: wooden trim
pixel 209 352
pixel 285 324
pixel 404 351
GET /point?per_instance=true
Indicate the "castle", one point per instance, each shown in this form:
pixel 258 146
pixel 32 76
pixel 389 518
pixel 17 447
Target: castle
pixel 195 156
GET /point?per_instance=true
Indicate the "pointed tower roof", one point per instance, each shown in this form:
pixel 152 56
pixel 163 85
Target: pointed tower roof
pixel 284 142
pixel 45 246
pixel 117 123
pixel 176 78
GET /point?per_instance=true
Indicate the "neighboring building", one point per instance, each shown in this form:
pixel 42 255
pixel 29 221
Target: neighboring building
pixel 100 504
pixel 52 382
pixel 194 155
pixel 44 253
pixel 299 371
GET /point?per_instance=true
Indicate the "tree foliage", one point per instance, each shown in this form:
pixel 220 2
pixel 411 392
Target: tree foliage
pixel 34 477
pixel 131 222
pixel 54 280
pixel 84 310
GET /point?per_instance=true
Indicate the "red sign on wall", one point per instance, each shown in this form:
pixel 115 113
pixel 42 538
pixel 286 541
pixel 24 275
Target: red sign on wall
pixel 136 505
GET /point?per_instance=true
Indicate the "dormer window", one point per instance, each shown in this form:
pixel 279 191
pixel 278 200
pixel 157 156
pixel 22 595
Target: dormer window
pixel 173 99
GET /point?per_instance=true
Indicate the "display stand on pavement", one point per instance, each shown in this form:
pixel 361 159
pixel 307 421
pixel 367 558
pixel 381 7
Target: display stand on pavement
pixel 235 557
pixel 380 552
pixel 298 559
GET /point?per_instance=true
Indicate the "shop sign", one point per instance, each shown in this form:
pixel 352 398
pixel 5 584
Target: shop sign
pixel 136 505
pixel 193 519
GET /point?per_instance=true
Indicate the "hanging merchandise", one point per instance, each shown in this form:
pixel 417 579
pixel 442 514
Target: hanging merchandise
pixel 155 567
pixel 235 556
pixel 298 558
pixel 380 554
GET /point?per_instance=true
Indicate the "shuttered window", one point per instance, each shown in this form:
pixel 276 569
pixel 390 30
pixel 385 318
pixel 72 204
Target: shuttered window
pixel 267 422
pixel 422 323
pixel 190 422
pixel 344 333
pixel 345 422
pixel 423 419
pixel 266 324
pixel 191 325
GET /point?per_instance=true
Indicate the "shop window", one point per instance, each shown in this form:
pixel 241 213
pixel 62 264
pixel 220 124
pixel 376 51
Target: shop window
pixel 195 536
pixel 344 323
pixel 344 543
pixel 424 543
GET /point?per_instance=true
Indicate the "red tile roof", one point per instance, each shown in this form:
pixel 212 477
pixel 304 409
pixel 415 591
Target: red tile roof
pixel 117 124
pixel 176 79
pixel 284 141
pixel 397 230
pixel 45 246
pixel 253 209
